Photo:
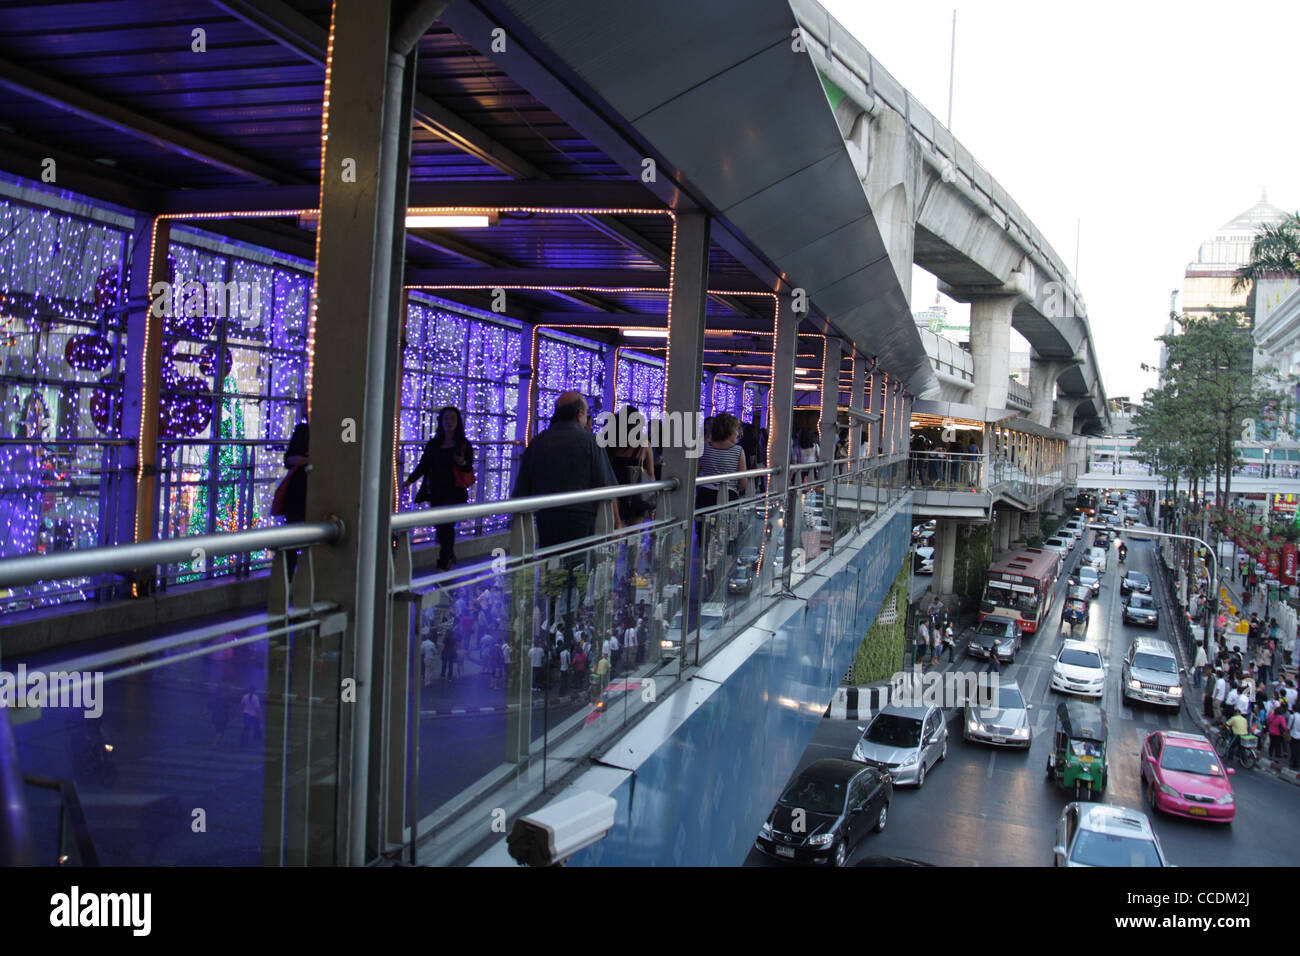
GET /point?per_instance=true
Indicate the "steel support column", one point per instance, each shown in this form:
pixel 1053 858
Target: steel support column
pixel 785 346
pixel 359 274
pixel 830 399
pixel 686 319
pixel 140 394
pixel 855 402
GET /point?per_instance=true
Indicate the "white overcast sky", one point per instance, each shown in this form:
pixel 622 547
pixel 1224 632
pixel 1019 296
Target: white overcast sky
pixel 1152 123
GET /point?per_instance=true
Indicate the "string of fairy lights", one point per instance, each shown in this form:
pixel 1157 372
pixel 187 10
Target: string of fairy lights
pixel 234 383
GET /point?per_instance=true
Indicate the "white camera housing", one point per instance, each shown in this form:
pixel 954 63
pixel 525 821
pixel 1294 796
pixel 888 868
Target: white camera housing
pixel 555 833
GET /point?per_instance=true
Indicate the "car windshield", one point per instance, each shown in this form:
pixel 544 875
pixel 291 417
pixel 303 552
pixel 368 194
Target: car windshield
pixel 1155 662
pixel 992 627
pixel 1078 658
pixel 1137 578
pixel 1085 748
pixel 1105 849
pixel 1009 698
pixel 815 795
pixel 894 730
pixel 1088 574
pixel 1141 600
pixel 1192 760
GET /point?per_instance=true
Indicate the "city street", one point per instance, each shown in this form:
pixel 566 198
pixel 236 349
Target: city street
pixel 986 806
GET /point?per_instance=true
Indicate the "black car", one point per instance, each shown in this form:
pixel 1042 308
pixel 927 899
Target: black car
pixel 1005 631
pixel 1135 581
pixel 741 580
pixel 826 812
pixel 1141 609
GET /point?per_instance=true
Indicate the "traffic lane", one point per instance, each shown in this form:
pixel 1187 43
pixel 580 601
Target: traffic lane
pixel 973 810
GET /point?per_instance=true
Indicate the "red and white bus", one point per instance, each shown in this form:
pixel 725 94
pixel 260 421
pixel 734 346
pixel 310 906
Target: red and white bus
pixel 1022 585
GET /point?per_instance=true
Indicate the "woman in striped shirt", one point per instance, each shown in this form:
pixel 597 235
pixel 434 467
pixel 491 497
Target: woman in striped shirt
pixel 721 456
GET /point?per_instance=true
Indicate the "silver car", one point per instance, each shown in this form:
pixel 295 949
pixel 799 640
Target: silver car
pixel 906 741
pixel 1151 673
pixel 1098 834
pixel 1006 724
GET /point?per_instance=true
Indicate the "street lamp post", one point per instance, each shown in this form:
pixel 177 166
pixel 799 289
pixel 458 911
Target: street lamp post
pixel 1211 610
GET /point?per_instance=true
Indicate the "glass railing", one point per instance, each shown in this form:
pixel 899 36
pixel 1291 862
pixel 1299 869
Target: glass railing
pixel 502 677
pixel 946 471
pixel 176 751
pixel 529 667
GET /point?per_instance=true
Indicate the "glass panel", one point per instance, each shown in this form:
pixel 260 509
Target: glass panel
pixel 153 749
pixel 526 671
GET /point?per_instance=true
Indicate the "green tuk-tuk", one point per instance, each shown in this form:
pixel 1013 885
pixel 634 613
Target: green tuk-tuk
pixel 1078 757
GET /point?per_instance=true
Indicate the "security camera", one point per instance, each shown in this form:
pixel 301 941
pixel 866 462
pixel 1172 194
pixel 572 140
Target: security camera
pixel 862 416
pixel 553 834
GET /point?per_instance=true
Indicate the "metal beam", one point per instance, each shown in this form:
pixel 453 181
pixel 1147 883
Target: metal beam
pixel 56 93
pixel 654 320
pixel 544 278
pixel 285 25
pixel 548 194
pixel 22 157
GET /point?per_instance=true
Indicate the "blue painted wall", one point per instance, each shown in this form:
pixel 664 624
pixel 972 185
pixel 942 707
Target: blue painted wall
pixel 701 798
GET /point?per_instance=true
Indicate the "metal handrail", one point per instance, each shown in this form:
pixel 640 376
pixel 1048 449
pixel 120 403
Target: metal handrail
pixel 68 441
pixel 447 514
pixel 29 568
pixel 15 834
pixel 734 475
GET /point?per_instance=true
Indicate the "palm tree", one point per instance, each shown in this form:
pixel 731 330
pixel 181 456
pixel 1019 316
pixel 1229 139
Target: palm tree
pixel 1274 253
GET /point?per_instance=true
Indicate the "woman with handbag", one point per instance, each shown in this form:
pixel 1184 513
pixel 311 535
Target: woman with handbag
pixel 447 470
pixel 633 463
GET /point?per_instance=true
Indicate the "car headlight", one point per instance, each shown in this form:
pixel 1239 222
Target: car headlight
pixel 858 754
pixel 668 645
pixel 1135 685
pixel 821 839
pixel 1168 790
pixel 911 759
pixel 1226 798
pixel 767 828
pixel 1020 733
pixel 1176 690
pixel 973 723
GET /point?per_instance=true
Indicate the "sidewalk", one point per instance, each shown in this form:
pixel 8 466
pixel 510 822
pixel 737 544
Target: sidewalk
pixel 1194 697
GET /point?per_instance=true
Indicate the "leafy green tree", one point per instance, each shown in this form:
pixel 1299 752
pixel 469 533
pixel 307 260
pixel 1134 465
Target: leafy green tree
pixel 1274 253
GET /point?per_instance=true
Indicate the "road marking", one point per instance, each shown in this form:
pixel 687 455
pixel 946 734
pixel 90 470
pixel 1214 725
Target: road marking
pixel 993 755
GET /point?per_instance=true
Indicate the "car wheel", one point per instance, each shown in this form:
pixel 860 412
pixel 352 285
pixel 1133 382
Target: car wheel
pixel 841 854
pixel 880 820
pixel 920 775
pixel 943 754
pixel 1151 796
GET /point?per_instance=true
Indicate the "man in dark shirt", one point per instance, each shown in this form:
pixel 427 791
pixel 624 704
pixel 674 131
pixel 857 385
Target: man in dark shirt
pixel 565 457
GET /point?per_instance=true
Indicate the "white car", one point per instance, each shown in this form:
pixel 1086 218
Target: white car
pixel 1095 558
pixel 1058 544
pixel 925 560
pixel 1079 669
pixel 1097 834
